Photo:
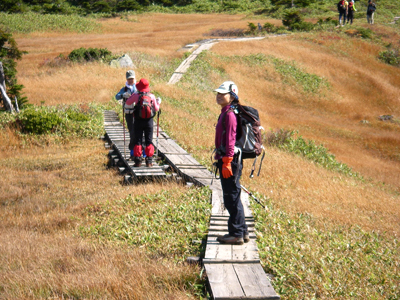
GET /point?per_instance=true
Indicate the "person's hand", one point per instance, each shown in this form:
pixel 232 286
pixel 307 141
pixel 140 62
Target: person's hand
pixel 126 95
pixel 226 167
pixel 158 99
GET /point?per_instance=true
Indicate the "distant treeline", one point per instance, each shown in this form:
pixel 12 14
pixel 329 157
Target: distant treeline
pixel 115 6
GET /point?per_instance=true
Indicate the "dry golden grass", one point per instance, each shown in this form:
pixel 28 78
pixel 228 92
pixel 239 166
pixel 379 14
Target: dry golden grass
pixel 45 191
pixel 44 187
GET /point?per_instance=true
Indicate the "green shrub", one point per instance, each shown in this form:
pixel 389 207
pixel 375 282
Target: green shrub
pixel 293 21
pixel 391 57
pixel 90 54
pixel 270 28
pixel 252 27
pixel 38 120
pixel 64 120
pixel 328 21
pixel 365 33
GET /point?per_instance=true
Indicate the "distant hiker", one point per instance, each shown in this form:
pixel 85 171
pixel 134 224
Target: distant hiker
pixel 350 12
pixel 145 107
pixel 371 8
pixel 342 9
pixel 229 164
pixel 124 94
pixel 259 27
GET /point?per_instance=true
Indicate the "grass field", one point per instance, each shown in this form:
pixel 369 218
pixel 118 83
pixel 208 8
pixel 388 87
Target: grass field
pixel 64 215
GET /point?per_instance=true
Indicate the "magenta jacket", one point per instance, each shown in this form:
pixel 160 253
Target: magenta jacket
pixel 134 99
pixel 229 138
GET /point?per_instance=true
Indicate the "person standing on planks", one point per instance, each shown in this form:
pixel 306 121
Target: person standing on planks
pixel 145 107
pixel 230 164
pixel 124 94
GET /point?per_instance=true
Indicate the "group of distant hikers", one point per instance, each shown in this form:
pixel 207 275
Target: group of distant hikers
pixel 346 11
pixel 140 107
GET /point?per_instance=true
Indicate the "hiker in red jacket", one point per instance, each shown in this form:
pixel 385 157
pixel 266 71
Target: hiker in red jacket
pixel 230 165
pixel 145 107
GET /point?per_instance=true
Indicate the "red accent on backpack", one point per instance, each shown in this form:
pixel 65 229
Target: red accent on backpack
pixel 144 108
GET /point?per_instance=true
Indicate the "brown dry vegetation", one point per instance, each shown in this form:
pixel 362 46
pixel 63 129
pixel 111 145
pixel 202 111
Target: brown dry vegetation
pixel 44 195
pixel 46 189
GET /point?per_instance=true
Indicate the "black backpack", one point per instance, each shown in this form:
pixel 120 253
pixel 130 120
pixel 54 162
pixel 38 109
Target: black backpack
pixel 144 109
pixel 371 9
pixel 340 6
pixel 248 133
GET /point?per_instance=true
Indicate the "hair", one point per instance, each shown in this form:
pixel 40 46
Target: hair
pixel 234 101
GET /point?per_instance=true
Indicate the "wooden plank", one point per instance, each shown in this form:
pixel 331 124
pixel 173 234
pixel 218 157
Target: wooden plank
pixel 215 250
pixel 244 197
pixel 247 251
pixel 216 233
pixel 223 252
pixel 217 207
pixel 223 281
pixel 254 282
pixel 218 222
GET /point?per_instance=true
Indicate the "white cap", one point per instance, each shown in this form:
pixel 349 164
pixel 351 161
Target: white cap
pixel 227 87
pixel 130 74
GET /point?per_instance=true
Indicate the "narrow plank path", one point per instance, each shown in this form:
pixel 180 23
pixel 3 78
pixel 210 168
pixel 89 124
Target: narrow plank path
pixel 200 47
pixel 115 137
pixel 233 271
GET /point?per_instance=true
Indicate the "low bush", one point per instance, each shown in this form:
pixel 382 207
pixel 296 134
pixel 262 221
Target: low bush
pixel 391 57
pixel 293 21
pixel 77 120
pixel 90 54
pixel 38 120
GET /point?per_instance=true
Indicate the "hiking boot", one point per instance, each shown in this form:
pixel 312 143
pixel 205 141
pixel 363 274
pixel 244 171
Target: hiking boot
pixel 246 237
pixel 149 162
pixel 232 240
pixel 138 162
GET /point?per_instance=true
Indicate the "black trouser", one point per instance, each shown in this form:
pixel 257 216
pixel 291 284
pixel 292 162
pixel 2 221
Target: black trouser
pixel 140 126
pixel 350 16
pixel 129 122
pixel 231 192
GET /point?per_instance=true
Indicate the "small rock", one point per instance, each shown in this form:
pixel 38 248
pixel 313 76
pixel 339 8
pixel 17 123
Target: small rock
pixel 123 62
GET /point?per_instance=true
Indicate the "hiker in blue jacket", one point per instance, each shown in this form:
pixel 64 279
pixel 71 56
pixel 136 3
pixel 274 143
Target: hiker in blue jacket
pixel 125 93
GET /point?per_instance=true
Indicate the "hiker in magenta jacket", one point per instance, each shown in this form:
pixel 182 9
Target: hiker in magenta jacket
pixel 143 125
pixel 230 165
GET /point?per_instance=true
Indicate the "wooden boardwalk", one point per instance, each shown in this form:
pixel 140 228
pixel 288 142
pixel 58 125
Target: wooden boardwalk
pixel 120 154
pixel 233 271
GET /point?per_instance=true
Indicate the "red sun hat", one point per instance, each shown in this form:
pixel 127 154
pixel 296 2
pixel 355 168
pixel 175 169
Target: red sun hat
pixel 143 85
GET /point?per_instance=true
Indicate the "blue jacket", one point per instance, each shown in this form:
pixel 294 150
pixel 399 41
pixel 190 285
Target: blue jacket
pixel 118 96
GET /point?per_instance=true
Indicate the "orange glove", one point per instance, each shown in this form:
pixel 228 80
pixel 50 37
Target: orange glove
pixel 226 167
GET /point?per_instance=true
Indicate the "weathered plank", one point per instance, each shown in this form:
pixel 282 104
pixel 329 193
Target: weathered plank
pixel 254 282
pixel 223 281
pixel 216 252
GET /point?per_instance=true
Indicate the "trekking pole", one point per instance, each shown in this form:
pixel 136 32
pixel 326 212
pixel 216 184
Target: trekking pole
pixel 158 130
pixel 255 199
pixel 123 123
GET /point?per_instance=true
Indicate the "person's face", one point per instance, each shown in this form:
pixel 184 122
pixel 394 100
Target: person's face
pixel 130 81
pixel 223 99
